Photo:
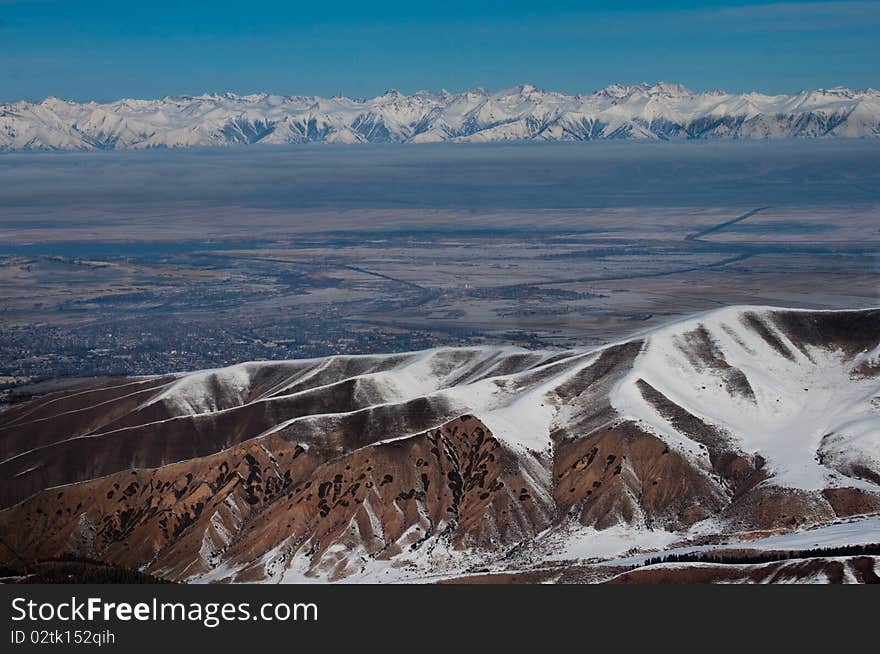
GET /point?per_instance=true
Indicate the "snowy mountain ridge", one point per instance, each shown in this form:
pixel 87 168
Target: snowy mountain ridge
pixel 717 430
pixel 662 111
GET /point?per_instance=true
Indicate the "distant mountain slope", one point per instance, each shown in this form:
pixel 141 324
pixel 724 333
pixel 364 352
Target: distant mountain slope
pixel 742 422
pixel 642 111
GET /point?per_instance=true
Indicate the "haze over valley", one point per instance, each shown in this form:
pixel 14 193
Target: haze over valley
pixel 148 263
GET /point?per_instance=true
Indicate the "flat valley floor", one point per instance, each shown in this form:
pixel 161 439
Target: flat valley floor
pixel 143 263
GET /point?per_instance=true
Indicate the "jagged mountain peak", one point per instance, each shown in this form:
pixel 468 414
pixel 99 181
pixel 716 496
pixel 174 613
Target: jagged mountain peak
pixel 658 89
pixel 662 110
pixel 669 89
pixel 521 89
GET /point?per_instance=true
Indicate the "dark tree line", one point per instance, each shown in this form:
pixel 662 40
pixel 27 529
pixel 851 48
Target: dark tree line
pixel 71 569
pixel 722 557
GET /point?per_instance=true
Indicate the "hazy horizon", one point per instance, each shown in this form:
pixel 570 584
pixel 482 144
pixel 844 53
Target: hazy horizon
pixel 452 176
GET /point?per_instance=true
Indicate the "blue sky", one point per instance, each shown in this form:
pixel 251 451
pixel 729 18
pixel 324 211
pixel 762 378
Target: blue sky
pixel 106 50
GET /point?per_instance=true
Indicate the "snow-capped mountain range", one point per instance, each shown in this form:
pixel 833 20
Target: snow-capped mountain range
pixel 642 111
